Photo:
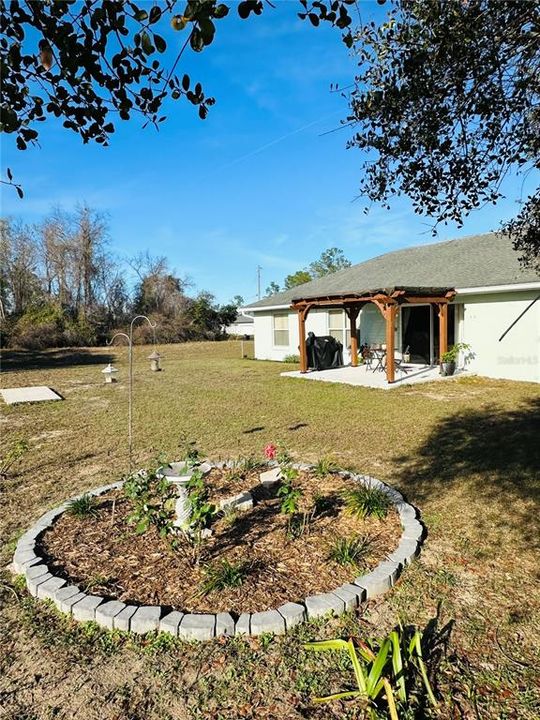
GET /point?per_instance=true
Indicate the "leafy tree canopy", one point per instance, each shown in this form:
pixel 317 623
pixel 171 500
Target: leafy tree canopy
pixel 298 278
pixel 446 102
pixel 331 260
pixel 90 62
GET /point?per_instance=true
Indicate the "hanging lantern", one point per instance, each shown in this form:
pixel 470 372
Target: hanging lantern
pixel 154 358
pixel 109 373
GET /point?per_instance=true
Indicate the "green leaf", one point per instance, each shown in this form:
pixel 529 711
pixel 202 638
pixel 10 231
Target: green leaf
pixel 155 14
pixel 322 645
pixel 358 669
pixel 142 526
pixel 141 15
pixel 147 43
pixel 377 668
pixel 160 43
pixel 397 664
pixel 337 696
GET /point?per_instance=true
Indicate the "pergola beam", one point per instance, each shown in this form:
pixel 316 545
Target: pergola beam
pixel 388 304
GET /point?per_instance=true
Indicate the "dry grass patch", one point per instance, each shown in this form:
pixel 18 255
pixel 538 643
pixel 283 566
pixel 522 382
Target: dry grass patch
pixel 470 461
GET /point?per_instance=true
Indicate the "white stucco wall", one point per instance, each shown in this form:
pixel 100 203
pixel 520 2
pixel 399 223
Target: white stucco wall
pixel 480 321
pixel 317 322
pixel 240 329
pixel 484 318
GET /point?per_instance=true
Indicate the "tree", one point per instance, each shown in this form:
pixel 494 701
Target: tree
pixel 298 278
pixel 330 261
pixel 90 63
pixel 446 102
pixel 272 289
pixel 238 301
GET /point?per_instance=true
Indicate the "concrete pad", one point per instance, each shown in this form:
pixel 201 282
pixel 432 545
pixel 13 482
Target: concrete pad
pixel 28 394
pixel 410 374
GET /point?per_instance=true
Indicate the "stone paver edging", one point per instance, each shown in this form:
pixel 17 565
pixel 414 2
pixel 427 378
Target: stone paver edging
pixel 113 614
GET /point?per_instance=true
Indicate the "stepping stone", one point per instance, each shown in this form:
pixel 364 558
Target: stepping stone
pixel 242 501
pixel 28 394
pixel 197 627
pixel 270 477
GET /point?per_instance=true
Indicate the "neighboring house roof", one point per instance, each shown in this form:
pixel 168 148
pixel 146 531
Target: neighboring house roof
pixel 242 320
pixel 469 262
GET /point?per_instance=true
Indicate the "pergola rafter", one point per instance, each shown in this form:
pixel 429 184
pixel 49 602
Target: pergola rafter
pixel 388 302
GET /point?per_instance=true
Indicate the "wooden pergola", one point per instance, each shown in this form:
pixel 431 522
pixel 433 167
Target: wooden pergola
pixel 388 301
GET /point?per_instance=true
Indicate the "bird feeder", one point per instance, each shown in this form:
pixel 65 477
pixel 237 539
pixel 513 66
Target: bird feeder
pixel 154 358
pixel 109 373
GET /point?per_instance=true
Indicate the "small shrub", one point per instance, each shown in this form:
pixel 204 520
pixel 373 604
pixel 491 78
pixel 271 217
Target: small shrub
pixel 366 501
pixel 291 359
pixel 224 575
pixel 82 507
pixel 350 551
pixel 153 501
pixel 323 467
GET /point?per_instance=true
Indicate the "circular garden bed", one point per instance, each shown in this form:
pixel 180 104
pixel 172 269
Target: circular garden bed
pixel 306 542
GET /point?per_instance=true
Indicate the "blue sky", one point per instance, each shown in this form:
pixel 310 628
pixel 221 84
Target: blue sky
pixel 257 183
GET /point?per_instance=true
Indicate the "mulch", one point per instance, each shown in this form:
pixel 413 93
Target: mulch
pixel 109 559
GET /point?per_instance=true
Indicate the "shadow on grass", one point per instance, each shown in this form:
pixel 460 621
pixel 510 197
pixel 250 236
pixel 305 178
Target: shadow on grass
pixel 17 360
pixel 495 452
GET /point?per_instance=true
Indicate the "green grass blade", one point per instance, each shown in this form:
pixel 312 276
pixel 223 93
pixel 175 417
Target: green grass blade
pixel 390 700
pixel 397 664
pixel 417 645
pixel 378 667
pixel 357 667
pixel 322 645
pixel 337 696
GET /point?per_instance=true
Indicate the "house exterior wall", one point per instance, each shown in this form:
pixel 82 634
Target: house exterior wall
pixel 240 329
pixel 482 319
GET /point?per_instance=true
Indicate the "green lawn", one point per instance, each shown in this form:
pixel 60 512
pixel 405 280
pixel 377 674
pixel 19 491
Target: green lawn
pixel 466 452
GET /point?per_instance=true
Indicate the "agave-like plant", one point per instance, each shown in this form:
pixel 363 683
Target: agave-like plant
pixel 390 669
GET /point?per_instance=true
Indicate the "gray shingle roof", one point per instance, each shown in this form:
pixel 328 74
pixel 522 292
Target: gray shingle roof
pixel 474 261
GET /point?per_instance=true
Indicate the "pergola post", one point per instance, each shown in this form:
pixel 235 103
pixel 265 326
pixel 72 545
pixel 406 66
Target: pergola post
pixel 443 329
pixel 352 312
pixel 390 316
pixel 302 314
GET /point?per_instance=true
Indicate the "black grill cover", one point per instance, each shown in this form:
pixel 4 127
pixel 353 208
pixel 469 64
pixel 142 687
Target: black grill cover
pixel 323 352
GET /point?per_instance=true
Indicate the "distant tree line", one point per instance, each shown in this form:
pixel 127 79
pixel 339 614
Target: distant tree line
pixel 330 261
pixel 61 286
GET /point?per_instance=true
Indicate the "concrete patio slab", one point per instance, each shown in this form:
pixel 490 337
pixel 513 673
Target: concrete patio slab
pixel 39 393
pixel 364 377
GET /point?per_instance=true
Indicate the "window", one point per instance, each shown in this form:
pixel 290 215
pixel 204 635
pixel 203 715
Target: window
pixel 335 324
pixel 281 330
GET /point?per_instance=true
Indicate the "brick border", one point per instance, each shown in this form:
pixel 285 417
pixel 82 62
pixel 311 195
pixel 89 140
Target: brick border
pixel 113 614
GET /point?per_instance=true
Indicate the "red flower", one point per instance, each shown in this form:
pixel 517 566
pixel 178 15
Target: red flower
pixel 270 451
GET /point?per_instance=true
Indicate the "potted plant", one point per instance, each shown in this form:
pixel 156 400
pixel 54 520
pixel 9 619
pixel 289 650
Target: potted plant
pixel 406 355
pixel 448 358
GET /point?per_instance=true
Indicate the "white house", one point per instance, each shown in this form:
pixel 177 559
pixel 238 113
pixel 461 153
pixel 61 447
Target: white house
pixel 243 326
pixel 471 290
